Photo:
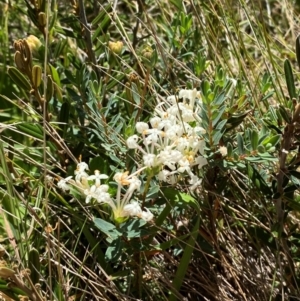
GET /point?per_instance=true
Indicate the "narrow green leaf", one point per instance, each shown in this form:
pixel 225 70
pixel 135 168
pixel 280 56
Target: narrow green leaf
pixel 102 28
pixel 19 79
pixel 217 137
pixel 229 149
pixel 221 125
pixel 217 114
pixel 185 260
pixel 30 129
pixel 254 140
pixel 289 77
pixel 11 211
pixel 240 142
pixel 219 100
pixel 34 265
pixel 63 118
pixel 104 12
pixel 177 3
pixel 298 49
pixel 273 140
pixel 285 114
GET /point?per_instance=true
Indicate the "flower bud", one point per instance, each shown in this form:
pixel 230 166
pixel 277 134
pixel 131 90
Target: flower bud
pixel 42 19
pixel 34 43
pixel 19 61
pixel 147 52
pixel 116 47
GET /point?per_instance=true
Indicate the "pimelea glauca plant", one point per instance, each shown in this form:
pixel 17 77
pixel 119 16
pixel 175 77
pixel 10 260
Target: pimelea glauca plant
pixel 149 150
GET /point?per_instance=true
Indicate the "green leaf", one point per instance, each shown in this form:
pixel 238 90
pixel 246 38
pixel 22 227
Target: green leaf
pixel 19 79
pixel 205 86
pixel 273 140
pixel 63 118
pixel 32 130
pixel 109 229
pixel 34 265
pixel 289 79
pixel 240 142
pixel 185 260
pixel 131 228
pixel 298 49
pixel 229 149
pixel 114 251
pixel 254 140
pixel 217 114
pixel 258 180
pixel 104 12
pixel 236 120
pixel 55 75
pixel 102 28
pixel 175 197
pixel 217 137
pixel 219 99
pixel 178 4
pixel 221 125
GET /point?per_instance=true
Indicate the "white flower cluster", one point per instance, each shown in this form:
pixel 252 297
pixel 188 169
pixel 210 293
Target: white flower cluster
pixel 92 188
pixel 171 143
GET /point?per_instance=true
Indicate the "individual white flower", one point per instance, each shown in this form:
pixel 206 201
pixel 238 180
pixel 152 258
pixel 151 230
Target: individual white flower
pixel 184 165
pixel 194 181
pixel 172 99
pixel 146 215
pixel 122 178
pixel 223 151
pixel 82 166
pixel 132 209
pixel 141 127
pixel 169 157
pixel 90 193
pixel 201 161
pixel 153 136
pixel 190 95
pixel 163 175
pixel 187 115
pixel 132 142
pixel 135 184
pixel 150 160
pixel 62 184
pixel 97 177
pixel 98 193
pixel 102 196
pixel 156 122
pixel 80 173
pixel 174 132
